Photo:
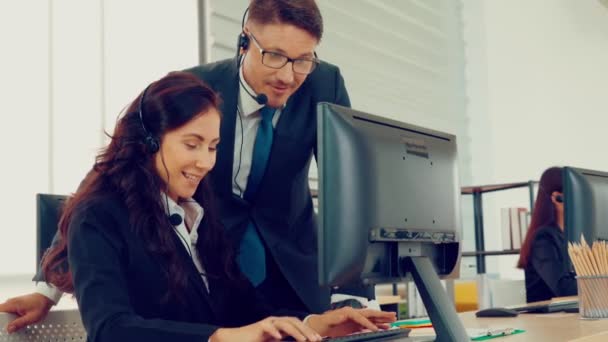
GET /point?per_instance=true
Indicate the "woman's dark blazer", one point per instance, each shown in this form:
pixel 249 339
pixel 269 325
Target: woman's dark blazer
pixel 547 273
pixel 119 285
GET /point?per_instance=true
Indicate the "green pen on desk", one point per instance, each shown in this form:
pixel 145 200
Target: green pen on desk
pixel 494 333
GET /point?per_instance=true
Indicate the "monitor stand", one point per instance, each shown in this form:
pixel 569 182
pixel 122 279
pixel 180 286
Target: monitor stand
pixel 440 308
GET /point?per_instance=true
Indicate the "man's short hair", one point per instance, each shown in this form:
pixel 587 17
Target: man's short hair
pixel 303 14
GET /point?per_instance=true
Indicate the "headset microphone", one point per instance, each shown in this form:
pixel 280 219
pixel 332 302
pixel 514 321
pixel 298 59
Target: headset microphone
pixel 175 219
pixel 260 98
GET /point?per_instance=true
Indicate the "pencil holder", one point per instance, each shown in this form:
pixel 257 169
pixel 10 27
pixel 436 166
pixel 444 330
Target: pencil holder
pixel 593 296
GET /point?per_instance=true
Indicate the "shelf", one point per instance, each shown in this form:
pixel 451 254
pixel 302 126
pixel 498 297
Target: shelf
pixel 487 253
pixel 468 190
pixel 477 193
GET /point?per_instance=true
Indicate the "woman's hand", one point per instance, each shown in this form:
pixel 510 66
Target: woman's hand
pixel 30 309
pixel 269 329
pixel 347 320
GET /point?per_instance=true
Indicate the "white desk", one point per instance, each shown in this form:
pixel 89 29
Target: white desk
pixel 541 327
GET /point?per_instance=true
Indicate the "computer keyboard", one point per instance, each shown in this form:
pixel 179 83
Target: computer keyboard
pixel 379 335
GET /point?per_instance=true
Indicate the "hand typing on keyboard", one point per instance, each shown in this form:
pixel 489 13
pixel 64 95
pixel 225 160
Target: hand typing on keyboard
pixel 345 321
pixel 333 323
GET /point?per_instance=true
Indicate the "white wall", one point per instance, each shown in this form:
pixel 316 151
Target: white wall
pixel 537 75
pixel 68 68
pixel 24 132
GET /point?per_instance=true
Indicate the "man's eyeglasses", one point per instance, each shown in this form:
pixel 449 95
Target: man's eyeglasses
pixel 276 60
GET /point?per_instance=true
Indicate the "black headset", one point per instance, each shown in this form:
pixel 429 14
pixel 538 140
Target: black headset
pixel 151 142
pixel 243 43
pixel 152 146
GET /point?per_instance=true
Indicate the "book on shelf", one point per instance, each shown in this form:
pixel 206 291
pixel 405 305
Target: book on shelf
pixel 415 305
pixel 505 226
pixel 514 226
pixel 515 229
pixel 524 223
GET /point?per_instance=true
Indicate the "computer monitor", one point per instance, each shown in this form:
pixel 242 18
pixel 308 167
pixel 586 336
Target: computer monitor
pixel 389 207
pixel 48 212
pixel 585 204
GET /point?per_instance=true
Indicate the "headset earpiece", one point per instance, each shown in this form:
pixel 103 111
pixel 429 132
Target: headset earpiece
pixel 243 43
pixel 559 198
pixel 152 144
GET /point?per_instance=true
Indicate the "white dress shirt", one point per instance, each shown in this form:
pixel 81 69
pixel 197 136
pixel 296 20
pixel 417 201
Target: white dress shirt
pixel 192 215
pixel 49 291
pixel 248 120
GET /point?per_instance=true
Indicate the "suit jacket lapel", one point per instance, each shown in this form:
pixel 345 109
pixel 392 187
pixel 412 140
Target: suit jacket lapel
pixel 228 89
pixel 291 114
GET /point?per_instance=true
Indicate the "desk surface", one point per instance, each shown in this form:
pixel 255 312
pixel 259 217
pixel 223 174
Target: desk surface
pixel 540 327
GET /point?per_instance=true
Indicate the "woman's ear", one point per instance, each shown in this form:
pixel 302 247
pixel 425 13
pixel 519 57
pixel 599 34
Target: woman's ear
pixel 557 198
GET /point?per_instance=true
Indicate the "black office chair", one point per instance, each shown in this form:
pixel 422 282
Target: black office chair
pixel 48 212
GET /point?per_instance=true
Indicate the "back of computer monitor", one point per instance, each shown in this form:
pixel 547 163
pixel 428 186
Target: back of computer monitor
pixel 387 189
pixel 48 212
pixel 585 204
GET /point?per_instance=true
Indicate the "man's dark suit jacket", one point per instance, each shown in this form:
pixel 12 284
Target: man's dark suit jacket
pixel 282 209
pixel 547 273
pixel 119 285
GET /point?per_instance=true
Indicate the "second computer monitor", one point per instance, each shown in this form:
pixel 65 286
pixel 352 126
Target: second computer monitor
pixel 585 204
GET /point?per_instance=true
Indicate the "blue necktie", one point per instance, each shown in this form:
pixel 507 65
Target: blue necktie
pixel 252 257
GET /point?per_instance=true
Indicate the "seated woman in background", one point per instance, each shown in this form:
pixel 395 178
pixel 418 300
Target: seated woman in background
pixel 148 259
pixel 543 254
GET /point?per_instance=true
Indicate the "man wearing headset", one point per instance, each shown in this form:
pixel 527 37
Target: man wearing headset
pixel 270 92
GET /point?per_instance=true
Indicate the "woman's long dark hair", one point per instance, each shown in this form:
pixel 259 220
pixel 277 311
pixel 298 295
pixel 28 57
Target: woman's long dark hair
pixel 126 168
pixel 544 211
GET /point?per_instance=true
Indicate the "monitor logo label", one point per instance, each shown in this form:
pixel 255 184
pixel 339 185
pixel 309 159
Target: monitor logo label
pixel 415 146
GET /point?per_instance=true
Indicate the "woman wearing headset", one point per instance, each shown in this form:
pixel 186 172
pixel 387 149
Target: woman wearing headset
pixel 543 254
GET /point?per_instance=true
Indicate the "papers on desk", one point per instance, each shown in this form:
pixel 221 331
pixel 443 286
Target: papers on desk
pixel 424 328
